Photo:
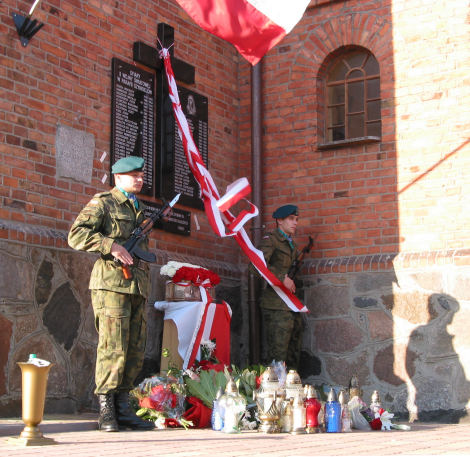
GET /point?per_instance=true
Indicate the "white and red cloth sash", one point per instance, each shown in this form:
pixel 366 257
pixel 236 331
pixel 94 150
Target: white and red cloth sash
pixel 217 209
pixel 206 329
pixel 199 321
pixel 252 26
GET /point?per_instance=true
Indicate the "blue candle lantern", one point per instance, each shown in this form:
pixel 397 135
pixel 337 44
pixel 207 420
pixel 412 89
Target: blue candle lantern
pixel 333 413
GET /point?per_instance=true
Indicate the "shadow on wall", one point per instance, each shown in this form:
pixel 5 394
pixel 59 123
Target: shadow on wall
pixel 438 387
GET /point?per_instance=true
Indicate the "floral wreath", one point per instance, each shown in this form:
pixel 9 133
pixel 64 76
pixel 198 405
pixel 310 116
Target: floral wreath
pixel 182 273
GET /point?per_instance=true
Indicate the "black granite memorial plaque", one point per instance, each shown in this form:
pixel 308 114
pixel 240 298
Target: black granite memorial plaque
pixel 174 175
pixel 133 117
pixel 178 222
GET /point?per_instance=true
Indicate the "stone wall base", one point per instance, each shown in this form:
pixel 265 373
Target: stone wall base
pixel 45 309
pixel 399 322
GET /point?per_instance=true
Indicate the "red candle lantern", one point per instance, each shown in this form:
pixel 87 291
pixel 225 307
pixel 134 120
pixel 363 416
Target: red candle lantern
pixel 313 407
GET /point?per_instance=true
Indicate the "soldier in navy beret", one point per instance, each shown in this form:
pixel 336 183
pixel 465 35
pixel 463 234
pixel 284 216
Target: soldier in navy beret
pixel 284 211
pixel 282 328
pixel 102 227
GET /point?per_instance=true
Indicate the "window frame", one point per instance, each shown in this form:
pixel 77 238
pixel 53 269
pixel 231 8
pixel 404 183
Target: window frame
pixel 345 103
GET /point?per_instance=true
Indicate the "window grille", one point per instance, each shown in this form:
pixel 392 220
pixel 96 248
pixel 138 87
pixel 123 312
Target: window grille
pixel 353 97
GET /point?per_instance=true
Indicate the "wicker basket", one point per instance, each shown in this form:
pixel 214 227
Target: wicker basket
pixel 175 292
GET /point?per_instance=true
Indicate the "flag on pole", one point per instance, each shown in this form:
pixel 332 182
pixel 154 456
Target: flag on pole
pixel 252 26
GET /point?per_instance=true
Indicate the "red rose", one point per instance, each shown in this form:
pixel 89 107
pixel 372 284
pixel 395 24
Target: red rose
pixel 376 424
pixel 258 381
pixel 171 422
pixel 157 390
pixel 197 276
pixel 182 274
pixel 147 402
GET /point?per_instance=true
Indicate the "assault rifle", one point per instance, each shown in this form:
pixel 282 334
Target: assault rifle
pixel 296 264
pixel 140 233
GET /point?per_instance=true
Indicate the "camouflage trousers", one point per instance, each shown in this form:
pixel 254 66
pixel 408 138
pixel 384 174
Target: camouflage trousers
pixel 282 336
pixel 121 326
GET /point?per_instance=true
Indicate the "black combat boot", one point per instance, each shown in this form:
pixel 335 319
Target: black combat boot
pixel 125 415
pixel 107 420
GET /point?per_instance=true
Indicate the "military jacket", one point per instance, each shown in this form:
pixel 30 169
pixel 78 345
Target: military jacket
pixel 279 257
pixel 107 218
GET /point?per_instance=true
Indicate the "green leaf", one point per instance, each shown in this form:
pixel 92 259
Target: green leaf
pixel 206 388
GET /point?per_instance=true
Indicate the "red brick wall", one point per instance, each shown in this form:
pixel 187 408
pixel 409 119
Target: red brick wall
pixel 381 198
pixel 63 77
pixel 384 197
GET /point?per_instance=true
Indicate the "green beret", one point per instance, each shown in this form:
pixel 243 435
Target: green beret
pixel 285 211
pixel 128 164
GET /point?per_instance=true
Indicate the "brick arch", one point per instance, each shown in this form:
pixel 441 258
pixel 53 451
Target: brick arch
pixel 357 29
pixel 325 65
pixel 326 39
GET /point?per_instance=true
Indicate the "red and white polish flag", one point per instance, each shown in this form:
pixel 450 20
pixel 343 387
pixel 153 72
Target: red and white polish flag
pixel 252 26
pixel 217 208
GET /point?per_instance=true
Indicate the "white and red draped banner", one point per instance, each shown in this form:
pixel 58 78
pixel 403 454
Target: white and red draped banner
pixel 252 26
pixel 217 209
pixel 197 322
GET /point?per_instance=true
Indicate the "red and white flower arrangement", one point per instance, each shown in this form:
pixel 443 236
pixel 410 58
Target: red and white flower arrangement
pixel 172 267
pixel 185 273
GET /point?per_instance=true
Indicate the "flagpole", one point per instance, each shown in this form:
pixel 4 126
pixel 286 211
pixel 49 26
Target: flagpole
pixel 254 281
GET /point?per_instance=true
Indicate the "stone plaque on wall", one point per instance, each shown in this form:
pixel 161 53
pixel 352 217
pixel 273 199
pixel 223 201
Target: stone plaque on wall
pixel 74 153
pixel 174 175
pixel 133 117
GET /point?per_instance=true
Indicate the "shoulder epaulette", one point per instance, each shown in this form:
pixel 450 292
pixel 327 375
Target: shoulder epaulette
pixel 96 198
pixel 102 194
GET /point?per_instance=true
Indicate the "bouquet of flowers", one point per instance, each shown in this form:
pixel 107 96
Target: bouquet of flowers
pixel 162 400
pixel 205 385
pixel 247 381
pixel 377 419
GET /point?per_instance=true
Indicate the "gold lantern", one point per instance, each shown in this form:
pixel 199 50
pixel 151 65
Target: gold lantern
pixel 34 383
pixel 269 399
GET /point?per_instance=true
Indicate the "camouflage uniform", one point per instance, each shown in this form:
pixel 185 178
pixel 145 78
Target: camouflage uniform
pixel 282 327
pixel 118 303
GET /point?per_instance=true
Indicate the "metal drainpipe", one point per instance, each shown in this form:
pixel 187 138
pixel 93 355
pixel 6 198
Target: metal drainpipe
pixel 257 199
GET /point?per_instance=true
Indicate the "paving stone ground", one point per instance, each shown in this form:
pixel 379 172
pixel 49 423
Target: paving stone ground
pixel 77 436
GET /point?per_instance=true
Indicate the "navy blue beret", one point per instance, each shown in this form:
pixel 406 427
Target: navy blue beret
pixel 285 211
pixel 128 164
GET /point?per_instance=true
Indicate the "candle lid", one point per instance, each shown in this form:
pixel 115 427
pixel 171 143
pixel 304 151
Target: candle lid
pixel 311 392
pixel 342 397
pixel 375 398
pixel 231 386
pixel 332 395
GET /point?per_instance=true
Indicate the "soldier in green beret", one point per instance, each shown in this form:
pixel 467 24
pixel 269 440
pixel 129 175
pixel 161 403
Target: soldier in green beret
pixel 282 327
pixel 102 226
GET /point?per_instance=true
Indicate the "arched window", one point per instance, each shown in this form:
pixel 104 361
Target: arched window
pixel 353 97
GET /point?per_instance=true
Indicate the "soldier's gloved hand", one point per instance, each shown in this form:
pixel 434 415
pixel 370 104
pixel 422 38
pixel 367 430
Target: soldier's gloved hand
pixel 289 284
pixel 120 253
